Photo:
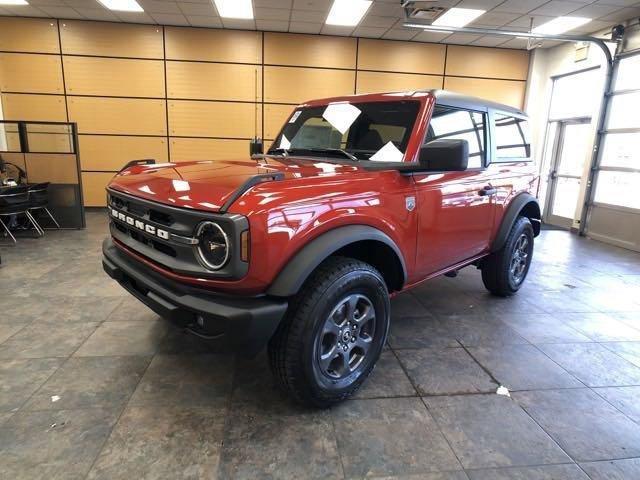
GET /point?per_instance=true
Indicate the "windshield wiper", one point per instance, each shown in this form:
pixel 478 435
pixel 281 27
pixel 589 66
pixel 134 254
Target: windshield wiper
pixel 284 151
pixel 333 150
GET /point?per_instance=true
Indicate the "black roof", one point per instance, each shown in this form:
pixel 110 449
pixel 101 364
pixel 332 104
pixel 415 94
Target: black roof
pixel 453 99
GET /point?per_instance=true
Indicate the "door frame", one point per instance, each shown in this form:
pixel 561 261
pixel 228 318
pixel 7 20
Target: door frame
pixel 552 173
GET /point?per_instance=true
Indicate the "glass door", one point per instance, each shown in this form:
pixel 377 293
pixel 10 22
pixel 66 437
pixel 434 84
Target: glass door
pixel 566 164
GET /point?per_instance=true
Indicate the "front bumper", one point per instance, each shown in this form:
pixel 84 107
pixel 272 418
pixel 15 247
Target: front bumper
pixel 244 324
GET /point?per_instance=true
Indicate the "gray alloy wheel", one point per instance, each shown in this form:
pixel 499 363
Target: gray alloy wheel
pixel 346 336
pixel 519 259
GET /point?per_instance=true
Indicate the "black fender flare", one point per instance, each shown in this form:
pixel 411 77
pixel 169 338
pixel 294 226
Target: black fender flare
pixel 305 261
pixel 516 206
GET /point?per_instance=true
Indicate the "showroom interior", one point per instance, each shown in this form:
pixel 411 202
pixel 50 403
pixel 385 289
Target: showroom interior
pixel 540 385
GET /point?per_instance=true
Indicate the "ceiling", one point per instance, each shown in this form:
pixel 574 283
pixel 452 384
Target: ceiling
pixel 383 20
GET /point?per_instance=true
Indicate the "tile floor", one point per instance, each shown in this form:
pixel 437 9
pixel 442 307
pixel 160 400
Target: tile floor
pixel 94 385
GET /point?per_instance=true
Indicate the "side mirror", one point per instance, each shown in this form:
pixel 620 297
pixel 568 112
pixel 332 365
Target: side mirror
pixel 445 155
pixel 256 146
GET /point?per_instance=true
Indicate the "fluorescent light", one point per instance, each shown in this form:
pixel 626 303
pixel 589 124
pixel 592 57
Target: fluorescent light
pixel 13 2
pixel 235 9
pixel 347 13
pixel 122 5
pixel 560 25
pixel 458 17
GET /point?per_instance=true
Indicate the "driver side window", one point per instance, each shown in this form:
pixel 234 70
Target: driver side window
pixel 457 124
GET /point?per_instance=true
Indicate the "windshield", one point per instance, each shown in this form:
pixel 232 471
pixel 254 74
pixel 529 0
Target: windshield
pixel 373 131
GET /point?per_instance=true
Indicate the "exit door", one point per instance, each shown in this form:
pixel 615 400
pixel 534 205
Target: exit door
pixel 566 164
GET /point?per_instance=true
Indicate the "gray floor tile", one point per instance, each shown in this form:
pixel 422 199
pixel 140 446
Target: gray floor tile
pixel 627 469
pixel 455 475
pixel 421 332
pixel 131 309
pixel 186 380
pixel 488 431
pixel 602 327
pixel 523 367
pixel 52 340
pixel 585 425
pixel 625 399
pixel 390 437
pixel 482 330
pixel 8 330
pixel 543 328
pixel 124 338
pixel 179 341
pixel 545 472
pixel 263 445
pixel 66 308
pixel 562 301
pixel 387 380
pixel 162 442
pixel 630 351
pixel 20 378
pixel 593 365
pixel 439 371
pixel 84 382
pixel 53 445
pixel 406 305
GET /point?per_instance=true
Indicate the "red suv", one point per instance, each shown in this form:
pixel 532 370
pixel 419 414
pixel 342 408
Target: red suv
pixel 359 198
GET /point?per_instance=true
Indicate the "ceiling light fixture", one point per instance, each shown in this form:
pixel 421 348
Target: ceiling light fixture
pixel 457 17
pixel 347 13
pixel 122 5
pixel 560 25
pixel 13 2
pixel 242 9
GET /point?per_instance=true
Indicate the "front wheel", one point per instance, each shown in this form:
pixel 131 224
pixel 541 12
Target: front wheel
pixel 504 271
pixel 333 333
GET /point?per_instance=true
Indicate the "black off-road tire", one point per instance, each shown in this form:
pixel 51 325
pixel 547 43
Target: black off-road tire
pixel 292 349
pixel 496 268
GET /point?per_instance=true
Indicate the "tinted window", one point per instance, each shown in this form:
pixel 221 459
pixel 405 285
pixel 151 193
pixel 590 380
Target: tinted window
pixel 512 138
pixel 452 123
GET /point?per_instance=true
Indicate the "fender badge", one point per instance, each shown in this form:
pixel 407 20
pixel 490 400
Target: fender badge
pixel 410 202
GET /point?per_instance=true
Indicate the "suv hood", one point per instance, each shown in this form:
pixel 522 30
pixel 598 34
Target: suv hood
pixel 207 185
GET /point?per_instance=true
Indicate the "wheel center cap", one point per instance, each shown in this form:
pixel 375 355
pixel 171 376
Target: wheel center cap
pixel 346 336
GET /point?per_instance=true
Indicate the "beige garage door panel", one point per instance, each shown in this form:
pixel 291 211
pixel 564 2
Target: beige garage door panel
pixel 114 77
pixel 391 56
pixel 214 119
pixel 123 116
pixel 29 73
pixel 274 118
pixel 111 39
pixel 28 35
pixel 93 188
pixel 487 62
pixel 214 81
pixel 186 149
pixel 111 153
pixel 54 168
pixel 46 108
pixel 372 82
pixel 295 85
pixel 309 50
pixel 502 91
pixel 213 45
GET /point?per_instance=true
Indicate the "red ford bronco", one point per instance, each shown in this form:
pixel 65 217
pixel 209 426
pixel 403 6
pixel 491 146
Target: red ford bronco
pixel 358 198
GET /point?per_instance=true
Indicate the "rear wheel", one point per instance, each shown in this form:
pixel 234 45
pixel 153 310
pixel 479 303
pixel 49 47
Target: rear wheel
pixel 333 333
pixel 504 271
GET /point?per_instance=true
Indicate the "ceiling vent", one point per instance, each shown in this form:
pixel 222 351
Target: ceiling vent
pixel 425 10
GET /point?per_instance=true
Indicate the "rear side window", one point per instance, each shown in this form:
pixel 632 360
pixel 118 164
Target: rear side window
pixel 453 123
pixel 512 138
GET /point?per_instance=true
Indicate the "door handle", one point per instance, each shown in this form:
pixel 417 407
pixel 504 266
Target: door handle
pixel 487 191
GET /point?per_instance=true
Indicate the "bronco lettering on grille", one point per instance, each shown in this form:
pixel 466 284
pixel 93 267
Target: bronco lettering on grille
pixel 150 229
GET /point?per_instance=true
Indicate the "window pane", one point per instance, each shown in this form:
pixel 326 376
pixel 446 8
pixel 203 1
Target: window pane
pixel 574 149
pixel 628 73
pixel 624 111
pixel 574 95
pixel 512 137
pixel 621 150
pixel 618 188
pixel 447 123
pixel 565 197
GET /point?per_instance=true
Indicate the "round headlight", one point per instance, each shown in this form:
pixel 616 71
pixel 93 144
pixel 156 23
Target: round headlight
pixel 213 246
